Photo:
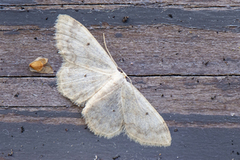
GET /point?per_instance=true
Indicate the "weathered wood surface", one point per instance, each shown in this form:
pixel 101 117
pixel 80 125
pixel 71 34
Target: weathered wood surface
pixel 168 94
pixel 145 50
pixel 186 3
pixel 183 56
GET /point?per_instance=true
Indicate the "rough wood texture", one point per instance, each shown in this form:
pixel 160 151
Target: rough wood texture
pixel 218 20
pixel 186 3
pixel 145 50
pixel 168 94
pixel 74 142
pixel 183 56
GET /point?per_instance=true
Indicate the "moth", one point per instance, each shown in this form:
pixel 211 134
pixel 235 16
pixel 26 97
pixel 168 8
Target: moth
pixel 113 105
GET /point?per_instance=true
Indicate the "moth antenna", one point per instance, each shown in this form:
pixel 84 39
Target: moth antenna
pixel 104 41
pixel 108 51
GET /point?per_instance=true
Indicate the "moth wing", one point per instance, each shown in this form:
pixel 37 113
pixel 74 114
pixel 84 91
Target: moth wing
pixel 77 46
pixel 79 84
pixel 86 65
pixel 142 122
pixel 102 112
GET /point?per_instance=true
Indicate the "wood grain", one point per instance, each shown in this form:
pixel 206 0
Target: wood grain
pixel 72 116
pixel 187 3
pixel 168 94
pixel 218 20
pixel 143 50
pixel 71 142
pixel 182 55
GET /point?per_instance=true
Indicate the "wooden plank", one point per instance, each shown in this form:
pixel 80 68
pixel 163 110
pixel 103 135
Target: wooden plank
pixel 186 3
pixel 168 94
pixel 143 50
pixel 76 8
pixel 218 20
pixel 63 141
pixel 96 7
pixel 72 116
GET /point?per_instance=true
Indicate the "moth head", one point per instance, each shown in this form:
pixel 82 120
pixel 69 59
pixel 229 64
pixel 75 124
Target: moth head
pixel 120 70
pixel 125 75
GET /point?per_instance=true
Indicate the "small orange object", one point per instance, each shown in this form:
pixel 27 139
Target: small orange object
pixel 40 65
pixel 37 65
